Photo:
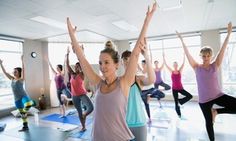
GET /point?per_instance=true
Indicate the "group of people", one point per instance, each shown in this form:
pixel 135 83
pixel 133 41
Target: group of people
pixel 118 112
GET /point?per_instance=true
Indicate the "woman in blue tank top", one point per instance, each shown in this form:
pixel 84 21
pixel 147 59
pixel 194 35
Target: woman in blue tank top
pixel 22 100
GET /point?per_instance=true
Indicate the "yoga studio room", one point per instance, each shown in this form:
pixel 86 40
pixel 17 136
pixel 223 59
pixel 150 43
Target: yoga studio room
pixel 117 70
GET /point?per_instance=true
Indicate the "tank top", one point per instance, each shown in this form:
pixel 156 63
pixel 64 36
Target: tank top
pixel 135 116
pixel 158 77
pixel 109 116
pixel 176 81
pixel 18 89
pixel 59 80
pixel 208 84
pixel 77 85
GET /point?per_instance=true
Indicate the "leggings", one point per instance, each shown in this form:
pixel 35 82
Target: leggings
pixel 82 99
pixel 166 86
pixel 154 93
pixel 181 101
pixel 140 133
pixel 63 91
pixel 226 101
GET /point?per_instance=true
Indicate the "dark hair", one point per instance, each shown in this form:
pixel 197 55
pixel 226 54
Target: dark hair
pixel 19 70
pixel 60 67
pixel 144 61
pixel 114 54
pixel 126 54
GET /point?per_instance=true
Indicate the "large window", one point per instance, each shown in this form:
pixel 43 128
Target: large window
pixel 57 53
pixel 229 65
pixel 173 52
pixel 10 53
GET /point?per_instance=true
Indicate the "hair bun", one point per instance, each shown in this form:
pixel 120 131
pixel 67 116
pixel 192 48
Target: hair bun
pixel 110 44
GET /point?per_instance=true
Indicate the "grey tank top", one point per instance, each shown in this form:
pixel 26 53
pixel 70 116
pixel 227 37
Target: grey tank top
pixel 18 89
pixel 109 116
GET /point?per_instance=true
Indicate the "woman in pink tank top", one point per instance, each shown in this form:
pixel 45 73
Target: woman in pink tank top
pixel 177 86
pixel 209 90
pixel 79 92
pixel 110 87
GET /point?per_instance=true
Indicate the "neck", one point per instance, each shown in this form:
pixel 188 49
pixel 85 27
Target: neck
pixel 111 81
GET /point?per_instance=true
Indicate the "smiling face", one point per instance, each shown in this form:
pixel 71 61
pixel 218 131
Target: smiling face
pixel 107 65
pixel 206 54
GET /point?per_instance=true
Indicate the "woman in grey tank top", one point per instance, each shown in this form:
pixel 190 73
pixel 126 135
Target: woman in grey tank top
pixel 209 90
pixel 22 100
pixel 111 91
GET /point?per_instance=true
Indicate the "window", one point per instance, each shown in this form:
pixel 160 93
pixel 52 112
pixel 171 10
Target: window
pixel 173 52
pixel 91 50
pixel 229 65
pixel 13 50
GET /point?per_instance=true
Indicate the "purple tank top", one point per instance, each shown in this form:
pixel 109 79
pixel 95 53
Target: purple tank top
pixel 158 77
pixel 110 116
pixel 59 80
pixel 176 81
pixel 208 84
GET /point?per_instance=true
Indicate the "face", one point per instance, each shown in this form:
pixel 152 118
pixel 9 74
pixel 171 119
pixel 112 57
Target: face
pixel 58 69
pixel 107 65
pixel 175 65
pixel 77 68
pixel 206 58
pixel 156 63
pixel 16 73
pixel 125 61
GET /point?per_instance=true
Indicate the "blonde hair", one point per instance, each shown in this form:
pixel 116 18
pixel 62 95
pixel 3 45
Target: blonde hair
pixel 110 44
pixel 206 50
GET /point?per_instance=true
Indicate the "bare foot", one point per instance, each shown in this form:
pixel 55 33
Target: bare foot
pixel 214 113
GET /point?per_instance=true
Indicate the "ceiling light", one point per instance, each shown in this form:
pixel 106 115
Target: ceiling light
pixel 169 5
pixel 125 26
pixel 50 22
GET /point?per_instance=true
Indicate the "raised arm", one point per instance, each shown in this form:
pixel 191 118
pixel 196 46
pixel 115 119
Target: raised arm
pixel 4 71
pixel 220 56
pixel 52 69
pixel 70 70
pixel 23 68
pixel 167 66
pixel 130 72
pixel 87 69
pixel 151 76
pixel 182 66
pixel 191 61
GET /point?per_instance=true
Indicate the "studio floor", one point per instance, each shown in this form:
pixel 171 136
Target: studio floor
pixel 165 126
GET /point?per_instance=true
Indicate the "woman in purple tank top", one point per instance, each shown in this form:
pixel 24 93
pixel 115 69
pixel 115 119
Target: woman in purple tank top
pixel 63 92
pixel 111 91
pixel 177 86
pixel 209 90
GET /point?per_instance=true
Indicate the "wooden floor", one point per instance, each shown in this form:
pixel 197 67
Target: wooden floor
pixel 165 126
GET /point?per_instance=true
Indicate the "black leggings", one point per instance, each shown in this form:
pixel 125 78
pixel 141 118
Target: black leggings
pixel 181 101
pixel 154 93
pixel 166 86
pixel 226 101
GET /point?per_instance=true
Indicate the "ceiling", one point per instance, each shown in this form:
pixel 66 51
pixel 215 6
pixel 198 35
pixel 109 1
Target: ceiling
pixel 96 19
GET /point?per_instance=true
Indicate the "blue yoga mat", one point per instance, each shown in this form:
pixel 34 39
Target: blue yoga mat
pixel 71 119
pixel 83 135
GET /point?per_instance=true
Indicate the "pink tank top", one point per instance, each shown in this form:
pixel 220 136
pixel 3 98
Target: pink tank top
pixel 77 85
pixel 176 81
pixel 110 116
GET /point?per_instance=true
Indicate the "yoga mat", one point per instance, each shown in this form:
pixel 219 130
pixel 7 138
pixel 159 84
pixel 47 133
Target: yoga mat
pixel 82 135
pixel 36 133
pixel 71 119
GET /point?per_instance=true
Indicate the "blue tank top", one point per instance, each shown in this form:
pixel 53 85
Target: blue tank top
pixel 135 116
pixel 18 89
